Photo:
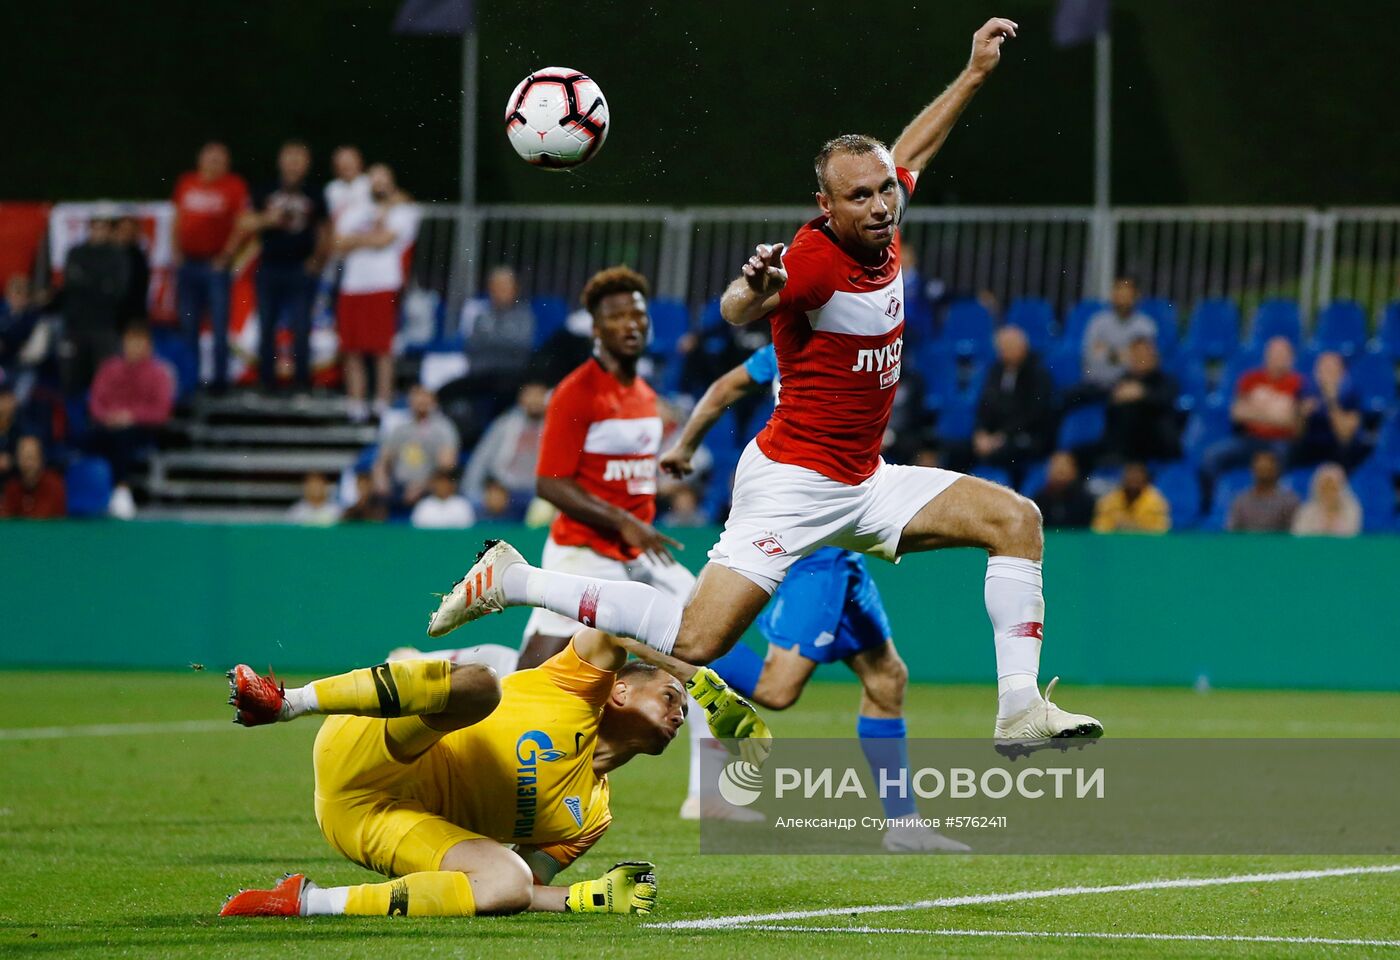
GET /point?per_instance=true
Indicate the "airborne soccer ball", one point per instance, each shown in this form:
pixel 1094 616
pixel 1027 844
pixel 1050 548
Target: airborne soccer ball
pixel 556 118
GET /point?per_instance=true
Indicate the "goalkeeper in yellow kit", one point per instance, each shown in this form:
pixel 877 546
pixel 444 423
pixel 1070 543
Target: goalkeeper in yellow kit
pixel 472 793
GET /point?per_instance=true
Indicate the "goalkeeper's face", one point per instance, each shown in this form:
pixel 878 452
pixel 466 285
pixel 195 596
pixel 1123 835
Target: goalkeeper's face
pixel 649 708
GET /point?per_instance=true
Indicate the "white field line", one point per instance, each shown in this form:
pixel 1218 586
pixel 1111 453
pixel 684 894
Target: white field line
pixel 1186 883
pixel 1075 935
pixel 114 729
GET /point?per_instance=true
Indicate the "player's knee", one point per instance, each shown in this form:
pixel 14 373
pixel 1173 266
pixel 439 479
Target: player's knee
pixel 885 685
pixel 1016 526
pixel 507 888
pixel 476 691
pixel 774 698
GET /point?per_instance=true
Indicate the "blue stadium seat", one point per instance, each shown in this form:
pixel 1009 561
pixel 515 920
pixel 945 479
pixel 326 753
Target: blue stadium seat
pixel 1179 484
pixel 1387 341
pixel 550 314
pixel 918 320
pixel 1387 456
pixel 1163 313
pixel 710 315
pixel 1194 382
pixel 967 330
pixel 1373 377
pixel 1214 330
pixel 1376 492
pixel 1230 485
pixel 1034 479
pixel 1277 318
pixel 89 486
pixel 172 347
pixel 992 474
pixel 951 380
pixel 1299 480
pixel 1082 427
pixel 670 320
pixel 1341 326
pixel 956 420
pixel 1208 423
pixel 1077 320
pixel 1065 363
pixel 1036 317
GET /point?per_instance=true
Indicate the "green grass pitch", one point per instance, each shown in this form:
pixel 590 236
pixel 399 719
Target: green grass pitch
pixel 126 845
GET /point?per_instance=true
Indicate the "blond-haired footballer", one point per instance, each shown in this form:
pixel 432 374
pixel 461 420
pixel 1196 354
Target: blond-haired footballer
pixel 470 793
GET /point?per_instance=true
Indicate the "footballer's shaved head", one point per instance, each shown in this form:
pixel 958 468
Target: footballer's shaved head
pixel 856 144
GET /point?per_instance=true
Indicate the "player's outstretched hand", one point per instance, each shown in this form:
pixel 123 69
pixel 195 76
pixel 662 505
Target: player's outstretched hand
pixel 986 44
pixel 649 540
pixel 764 271
pixel 731 718
pixel 676 462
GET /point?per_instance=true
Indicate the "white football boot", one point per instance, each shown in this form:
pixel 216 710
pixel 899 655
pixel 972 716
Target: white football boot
pixel 917 839
pixel 480 592
pixel 1041 725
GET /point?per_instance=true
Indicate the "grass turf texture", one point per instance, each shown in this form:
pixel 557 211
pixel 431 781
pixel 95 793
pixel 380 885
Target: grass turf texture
pixel 126 845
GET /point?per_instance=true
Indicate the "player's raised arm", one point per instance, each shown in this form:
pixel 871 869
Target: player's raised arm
pixel 719 397
pixel 924 136
pixel 754 294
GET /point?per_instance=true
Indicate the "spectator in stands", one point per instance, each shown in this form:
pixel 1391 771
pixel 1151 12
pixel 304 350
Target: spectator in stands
pixel 374 237
pixel 684 509
pixel 414 450
pixel 443 508
pixel 1064 502
pixel 95 277
pixel 369 506
pixel 509 449
pixel 1331 417
pixel 34 492
pixel 19 318
pixel 209 201
pixel 315 508
pixel 1266 412
pixel 1142 421
pixel 1015 414
pixel 499 333
pixel 1331 509
pixel 127 236
pixel 1265 507
pixel 132 397
pixel 1136 506
pixel 497 505
pixel 1110 333
pixel 9 429
pixel 350 187
pixel 290 220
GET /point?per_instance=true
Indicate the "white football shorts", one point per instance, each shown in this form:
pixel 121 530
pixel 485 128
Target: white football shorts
pixel 671 579
pixel 782 513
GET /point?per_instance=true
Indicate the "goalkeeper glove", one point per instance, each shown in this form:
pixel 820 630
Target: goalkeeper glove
pixel 629 887
pixel 730 716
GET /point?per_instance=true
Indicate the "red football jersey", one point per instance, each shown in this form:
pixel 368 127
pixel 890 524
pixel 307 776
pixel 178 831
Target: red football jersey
pixel 605 436
pixel 838 332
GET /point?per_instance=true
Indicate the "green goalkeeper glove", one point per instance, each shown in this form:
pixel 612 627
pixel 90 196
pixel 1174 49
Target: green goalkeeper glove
pixel 629 887
pixel 730 716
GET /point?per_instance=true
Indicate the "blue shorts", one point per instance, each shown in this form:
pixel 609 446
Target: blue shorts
pixel 828 608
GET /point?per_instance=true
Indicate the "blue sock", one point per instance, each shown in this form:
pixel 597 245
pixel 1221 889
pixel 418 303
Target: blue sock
pixel 739 668
pixel 887 751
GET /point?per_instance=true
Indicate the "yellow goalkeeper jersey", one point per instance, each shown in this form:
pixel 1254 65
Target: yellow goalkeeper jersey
pixel 525 773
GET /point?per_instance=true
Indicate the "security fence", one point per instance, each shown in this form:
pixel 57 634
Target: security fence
pixel 1183 254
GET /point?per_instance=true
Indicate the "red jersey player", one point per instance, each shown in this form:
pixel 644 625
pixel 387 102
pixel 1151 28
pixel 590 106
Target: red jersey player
pixel 598 466
pixel 814 477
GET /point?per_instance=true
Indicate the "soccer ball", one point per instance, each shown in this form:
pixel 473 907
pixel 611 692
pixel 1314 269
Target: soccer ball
pixel 556 118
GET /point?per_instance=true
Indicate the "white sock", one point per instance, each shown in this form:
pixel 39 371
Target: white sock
pixel 499 658
pixel 614 606
pixel 699 730
pixel 319 902
pixel 297 701
pixel 1016 607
